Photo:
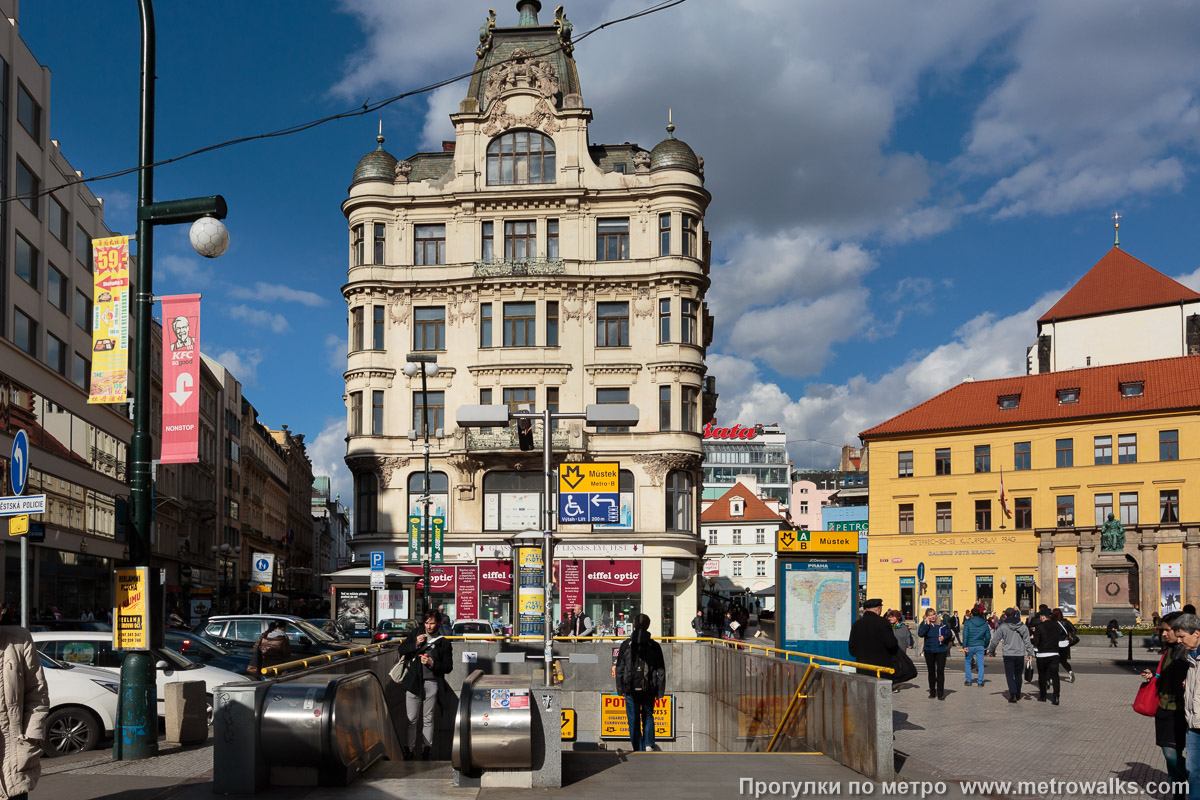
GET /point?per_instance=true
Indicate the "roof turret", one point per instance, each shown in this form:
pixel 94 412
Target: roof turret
pixel 672 153
pixel 377 165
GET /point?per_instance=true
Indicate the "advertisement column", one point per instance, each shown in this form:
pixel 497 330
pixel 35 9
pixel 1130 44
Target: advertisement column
pixel 530 591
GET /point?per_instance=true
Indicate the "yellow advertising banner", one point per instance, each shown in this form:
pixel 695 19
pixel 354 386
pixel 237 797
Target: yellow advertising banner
pixel 614 720
pixel 131 617
pixel 110 320
pixel 817 541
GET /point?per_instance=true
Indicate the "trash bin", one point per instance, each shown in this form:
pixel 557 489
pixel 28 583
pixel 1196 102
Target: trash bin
pixel 494 727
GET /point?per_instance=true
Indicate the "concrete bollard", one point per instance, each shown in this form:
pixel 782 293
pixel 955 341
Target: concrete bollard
pixel 186 712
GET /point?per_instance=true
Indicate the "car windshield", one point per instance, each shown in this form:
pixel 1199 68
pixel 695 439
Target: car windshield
pixel 472 627
pixel 312 631
pixel 177 640
pixel 52 663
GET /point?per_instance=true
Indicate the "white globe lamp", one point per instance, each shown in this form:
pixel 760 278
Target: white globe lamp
pixel 431 369
pixel 412 370
pixel 209 237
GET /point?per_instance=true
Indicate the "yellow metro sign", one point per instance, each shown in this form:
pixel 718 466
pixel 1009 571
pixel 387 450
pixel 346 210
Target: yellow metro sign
pixel 816 541
pixel 568 723
pixel 590 477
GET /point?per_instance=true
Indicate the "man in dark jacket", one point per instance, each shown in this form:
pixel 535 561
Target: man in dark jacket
pixel 871 638
pixel 642 679
pixel 431 659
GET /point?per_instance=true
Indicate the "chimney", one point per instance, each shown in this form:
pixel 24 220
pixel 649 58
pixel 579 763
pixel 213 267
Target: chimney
pixel 447 147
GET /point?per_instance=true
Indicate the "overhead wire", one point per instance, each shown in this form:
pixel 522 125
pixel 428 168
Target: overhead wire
pixel 365 108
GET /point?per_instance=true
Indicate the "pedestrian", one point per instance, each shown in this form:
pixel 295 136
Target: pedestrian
pixel 937 637
pixel 582 624
pixel 872 640
pixel 1064 643
pixel 1187 632
pixel 641 677
pixel 87 615
pixel 24 708
pixel 1113 632
pixel 975 637
pixel 1170 722
pixel 428 659
pixel 270 650
pixel 1045 645
pixel 1013 639
pixel 904 637
pixel 698 623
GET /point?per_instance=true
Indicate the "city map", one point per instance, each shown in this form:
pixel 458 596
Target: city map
pixel 816 605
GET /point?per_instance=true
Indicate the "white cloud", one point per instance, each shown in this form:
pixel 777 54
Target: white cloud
pixel 335 353
pixel 268 292
pixel 263 319
pixel 327 450
pixel 189 272
pixel 242 363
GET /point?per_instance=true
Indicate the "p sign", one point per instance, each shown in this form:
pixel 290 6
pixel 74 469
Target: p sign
pixel 376 559
pixel 19 470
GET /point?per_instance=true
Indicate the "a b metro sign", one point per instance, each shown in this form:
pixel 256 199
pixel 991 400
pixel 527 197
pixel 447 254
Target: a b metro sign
pixel 736 432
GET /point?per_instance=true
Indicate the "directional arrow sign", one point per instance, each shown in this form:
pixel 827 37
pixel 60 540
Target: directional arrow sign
pixel 183 385
pixel 20 462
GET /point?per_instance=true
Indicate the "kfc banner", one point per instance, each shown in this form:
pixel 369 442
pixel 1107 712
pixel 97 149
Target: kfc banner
pixel 110 320
pixel 570 584
pixel 466 596
pixel 181 379
pixel 613 576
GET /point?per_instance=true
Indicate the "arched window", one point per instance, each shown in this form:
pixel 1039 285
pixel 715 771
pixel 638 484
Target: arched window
pixel 439 493
pixel 679 500
pixel 366 490
pixel 520 157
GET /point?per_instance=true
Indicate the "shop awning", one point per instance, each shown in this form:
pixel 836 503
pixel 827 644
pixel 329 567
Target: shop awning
pixel 767 592
pixel 364 574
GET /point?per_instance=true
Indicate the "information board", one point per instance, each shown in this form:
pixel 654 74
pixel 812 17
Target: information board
pixel 614 720
pixel 817 601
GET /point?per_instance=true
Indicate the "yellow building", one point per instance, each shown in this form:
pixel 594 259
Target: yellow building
pixel 1061 450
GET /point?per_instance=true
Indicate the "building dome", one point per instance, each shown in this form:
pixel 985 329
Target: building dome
pixel 672 153
pixel 377 165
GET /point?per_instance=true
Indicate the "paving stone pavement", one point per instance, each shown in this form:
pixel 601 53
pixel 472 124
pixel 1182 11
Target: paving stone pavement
pixel 974 733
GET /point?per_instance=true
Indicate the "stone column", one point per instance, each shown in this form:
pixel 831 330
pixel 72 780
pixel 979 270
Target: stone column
pixel 1191 566
pixel 1148 578
pixel 1085 585
pixel 1047 572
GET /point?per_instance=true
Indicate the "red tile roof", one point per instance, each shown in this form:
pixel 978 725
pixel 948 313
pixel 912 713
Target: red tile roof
pixel 1118 282
pixel 1168 384
pixel 755 510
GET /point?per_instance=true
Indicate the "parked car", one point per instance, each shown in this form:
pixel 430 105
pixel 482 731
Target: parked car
pixel 83 706
pixel 331 627
pixel 473 629
pixel 94 649
pixel 69 625
pixel 388 629
pixel 238 633
pixel 199 650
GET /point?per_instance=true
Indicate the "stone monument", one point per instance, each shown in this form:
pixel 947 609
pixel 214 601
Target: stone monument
pixel 1112 569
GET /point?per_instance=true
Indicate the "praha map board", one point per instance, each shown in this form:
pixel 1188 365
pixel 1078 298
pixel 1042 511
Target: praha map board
pixel 817 591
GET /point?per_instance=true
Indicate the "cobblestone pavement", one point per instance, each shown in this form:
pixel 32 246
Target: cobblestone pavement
pixel 975 733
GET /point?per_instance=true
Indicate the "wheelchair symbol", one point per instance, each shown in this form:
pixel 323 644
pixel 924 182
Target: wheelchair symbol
pixel 572 508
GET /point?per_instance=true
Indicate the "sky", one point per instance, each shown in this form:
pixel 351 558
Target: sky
pixel 900 189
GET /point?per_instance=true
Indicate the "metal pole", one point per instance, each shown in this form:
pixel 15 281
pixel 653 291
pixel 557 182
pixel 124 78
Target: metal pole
pixel 25 581
pixel 425 537
pixel 137 734
pixel 547 550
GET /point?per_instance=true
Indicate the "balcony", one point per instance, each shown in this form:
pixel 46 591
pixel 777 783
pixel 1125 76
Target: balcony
pixel 518 267
pixel 506 439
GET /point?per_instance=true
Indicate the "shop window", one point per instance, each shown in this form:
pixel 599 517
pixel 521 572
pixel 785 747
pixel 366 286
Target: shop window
pixel 679 500
pixel 512 500
pixel 1129 508
pixel 1168 445
pixel 1022 456
pixel 941 461
pixel 983 515
pixel 944 524
pixel 905 469
pixel 1064 453
pixel 1103 449
pixel 1168 505
pixel 983 458
pixel 1023 513
pixel 1026 592
pixel 983 591
pixel 367 497
pixel 1065 510
pixel 439 495
pixel 1127 448
pixel 1104 507
pixel 906 518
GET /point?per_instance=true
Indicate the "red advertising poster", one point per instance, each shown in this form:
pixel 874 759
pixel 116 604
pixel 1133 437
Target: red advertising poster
pixel 570 583
pixel 495 576
pixel 613 576
pixel 466 596
pixel 442 578
pixel 181 379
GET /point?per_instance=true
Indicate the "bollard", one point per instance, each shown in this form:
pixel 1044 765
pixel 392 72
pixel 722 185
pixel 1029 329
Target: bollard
pixel 186 712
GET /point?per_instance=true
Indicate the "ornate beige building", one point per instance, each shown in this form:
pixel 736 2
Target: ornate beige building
pixel 540 271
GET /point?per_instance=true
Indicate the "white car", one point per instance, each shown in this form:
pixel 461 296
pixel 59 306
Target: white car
pixel 473 629
pixel 94 649
pixel 83 706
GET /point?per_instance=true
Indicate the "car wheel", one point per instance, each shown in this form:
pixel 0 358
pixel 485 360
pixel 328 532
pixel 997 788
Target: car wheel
pixel 71 730
pixel 209 711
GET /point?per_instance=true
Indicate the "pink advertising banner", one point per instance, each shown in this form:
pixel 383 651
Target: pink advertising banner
pixel 495 575
pixel 570 583
pixel 442 578
pixel 181 379
pixel 613 576
pixel 466 597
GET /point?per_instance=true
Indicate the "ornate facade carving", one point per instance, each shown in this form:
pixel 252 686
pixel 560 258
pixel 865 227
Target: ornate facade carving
pixel 565 28
pixel 382 466
pixel 521 70
pixel 572 305
pixel 403 170
pixel 399 310
pixel 465 465
pixel 643 303
pixel 657 465
pixel 485 33
pixel 500 119
pixel 641 161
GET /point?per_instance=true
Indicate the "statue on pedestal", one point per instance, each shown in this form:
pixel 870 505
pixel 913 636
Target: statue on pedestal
pixel 1112 536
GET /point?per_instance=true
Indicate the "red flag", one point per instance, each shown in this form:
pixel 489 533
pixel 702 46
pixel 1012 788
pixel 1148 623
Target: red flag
pixel 1003 499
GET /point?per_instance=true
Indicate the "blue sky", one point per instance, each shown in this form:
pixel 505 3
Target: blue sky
pixel 899 189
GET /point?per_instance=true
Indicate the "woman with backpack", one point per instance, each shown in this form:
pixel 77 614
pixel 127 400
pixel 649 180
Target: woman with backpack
pixel 937 637
pixel 641 679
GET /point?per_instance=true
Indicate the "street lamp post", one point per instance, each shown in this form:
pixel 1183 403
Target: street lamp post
pixel 426 365
pixel 223 553
pixel 137 724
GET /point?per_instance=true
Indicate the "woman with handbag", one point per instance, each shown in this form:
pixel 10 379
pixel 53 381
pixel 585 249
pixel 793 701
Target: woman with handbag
pixel 1069 639
pixel 426 659
pixel 1164 686
pixel 905 670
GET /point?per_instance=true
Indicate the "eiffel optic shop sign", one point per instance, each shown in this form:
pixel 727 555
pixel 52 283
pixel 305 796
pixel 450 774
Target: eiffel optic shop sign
pixel 110 320
pixel 181 379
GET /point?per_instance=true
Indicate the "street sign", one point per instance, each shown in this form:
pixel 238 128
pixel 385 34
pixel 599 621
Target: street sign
pixel 263 572
pixel 378 579
pixel 20 463
pixel 589 493
pixel 590 477
pixel 18 525
pixel 414 540
pixel 921 571
pixel 439 532
pixel 568 725
pixel 816 541
pixel 376 560
pixel 30 504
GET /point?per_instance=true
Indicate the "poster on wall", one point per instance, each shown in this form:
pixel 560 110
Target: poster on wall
pixel 354 611
pixel 466 595
pixel 530 592
pixel 391 604
pixel 1067 590
pixel 1168 588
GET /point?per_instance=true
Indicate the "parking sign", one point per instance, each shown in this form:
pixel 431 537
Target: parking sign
pixel 376 559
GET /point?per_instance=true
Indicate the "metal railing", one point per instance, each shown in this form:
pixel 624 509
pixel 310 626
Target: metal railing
pixel 517 267
pixel 506 439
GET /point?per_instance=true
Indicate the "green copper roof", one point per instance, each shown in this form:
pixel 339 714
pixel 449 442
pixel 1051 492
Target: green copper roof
pixel 377 165
pixel 672 153
pixel 543 41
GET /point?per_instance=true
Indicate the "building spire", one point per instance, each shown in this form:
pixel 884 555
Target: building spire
pixel 379 138
pixel 529 10
pixel 1116 228
pixel 670 125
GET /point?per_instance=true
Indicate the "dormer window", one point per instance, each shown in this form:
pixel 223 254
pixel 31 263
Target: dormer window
pixel 1009 402
pixel 1068 396
pixel 520 157
pixel 737 508
pixel 1132 389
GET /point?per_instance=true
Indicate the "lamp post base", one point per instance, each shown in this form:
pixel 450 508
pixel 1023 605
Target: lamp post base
pixel 136 735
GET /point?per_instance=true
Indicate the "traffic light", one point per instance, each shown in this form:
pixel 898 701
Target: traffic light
pixel 525 434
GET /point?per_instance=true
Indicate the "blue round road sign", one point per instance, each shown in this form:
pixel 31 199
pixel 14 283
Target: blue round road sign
pixel 20 463
pixel 921 571
pixel 262 565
